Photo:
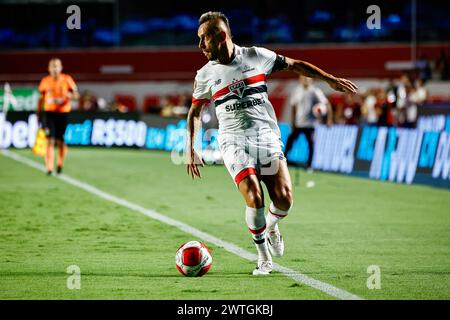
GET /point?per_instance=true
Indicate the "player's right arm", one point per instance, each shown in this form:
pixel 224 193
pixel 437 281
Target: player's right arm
pixel 40 106
pixel 200 97
pixel 193 125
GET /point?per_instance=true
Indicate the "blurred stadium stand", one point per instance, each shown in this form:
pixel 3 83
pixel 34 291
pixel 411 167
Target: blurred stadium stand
pixel 136 56
pixel 350 60
pixel 107 23
pixel 135 62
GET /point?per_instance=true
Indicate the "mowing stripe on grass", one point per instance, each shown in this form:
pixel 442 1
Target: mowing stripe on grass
pixel 297 276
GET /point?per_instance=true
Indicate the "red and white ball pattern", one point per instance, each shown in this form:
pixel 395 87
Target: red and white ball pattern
pixel 193 259
pixel 319 110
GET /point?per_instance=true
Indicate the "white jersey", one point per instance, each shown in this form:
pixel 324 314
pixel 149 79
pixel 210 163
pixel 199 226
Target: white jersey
pixel 304 100
pixel 239 92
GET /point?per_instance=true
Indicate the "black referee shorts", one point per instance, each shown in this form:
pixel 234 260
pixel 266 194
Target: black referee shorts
pixel 54 124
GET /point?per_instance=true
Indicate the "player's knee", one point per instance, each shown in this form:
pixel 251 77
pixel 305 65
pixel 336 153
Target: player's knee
pixel 255 200
pixel 285 198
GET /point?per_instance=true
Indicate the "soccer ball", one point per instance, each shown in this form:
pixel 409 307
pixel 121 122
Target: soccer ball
pixel 319 110
pixel 193 259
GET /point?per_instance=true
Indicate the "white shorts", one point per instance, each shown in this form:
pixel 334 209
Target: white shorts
pixel 245 155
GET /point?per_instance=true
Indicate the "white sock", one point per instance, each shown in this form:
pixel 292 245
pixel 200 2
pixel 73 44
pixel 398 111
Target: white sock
pixel 274 216
pixel 256 223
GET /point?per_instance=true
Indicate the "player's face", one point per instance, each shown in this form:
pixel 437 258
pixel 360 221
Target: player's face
pixel 55 68
pixel 209 42
pixel 305 81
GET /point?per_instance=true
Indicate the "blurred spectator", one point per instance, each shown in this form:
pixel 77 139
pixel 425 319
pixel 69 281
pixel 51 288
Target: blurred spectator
pixel 182 108
pixel 424 68
pixel 369 109
pixel 442 66
pixel 166 107
pixel 401 94
pixel 102 104
pixel 116 106
pixel 410 107
pixel 384 107
pixel 391 92
pixel 397 104
pixel 421 93
pixel 88 102
pixel 309 106
pixel 175 106
pixel 209 118
pixel 416 96
pixel 349 110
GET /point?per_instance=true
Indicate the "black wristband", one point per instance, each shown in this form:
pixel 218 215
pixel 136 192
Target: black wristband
pixel 279 64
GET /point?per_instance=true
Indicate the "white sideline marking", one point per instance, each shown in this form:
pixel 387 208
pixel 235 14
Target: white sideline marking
pixel 297 276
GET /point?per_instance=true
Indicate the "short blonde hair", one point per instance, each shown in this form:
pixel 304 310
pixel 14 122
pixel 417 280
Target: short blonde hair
pixel 214 15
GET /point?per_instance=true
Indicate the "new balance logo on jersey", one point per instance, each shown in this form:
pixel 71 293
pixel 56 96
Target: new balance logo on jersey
pixel 237 88
pixel 247 68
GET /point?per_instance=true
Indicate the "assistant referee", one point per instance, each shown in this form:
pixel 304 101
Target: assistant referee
pixel 56 91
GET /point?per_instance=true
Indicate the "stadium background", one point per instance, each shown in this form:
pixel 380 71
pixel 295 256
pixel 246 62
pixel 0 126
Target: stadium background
pixel 134 64
pixel 138 58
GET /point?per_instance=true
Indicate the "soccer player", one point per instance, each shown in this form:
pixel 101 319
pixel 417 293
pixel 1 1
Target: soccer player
pixel 56 91
pixel 302 101
pixel 249 137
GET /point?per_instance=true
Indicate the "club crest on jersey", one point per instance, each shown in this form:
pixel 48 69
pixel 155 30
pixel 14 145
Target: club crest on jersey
pixel 237 88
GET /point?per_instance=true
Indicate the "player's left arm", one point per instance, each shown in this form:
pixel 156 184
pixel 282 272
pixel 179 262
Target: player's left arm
pixel 40 106
pixel 309 70
pixel 73 95
pixel 73 92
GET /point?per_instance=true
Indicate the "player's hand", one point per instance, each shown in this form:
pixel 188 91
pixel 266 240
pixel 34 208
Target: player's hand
pixel 192 162
pixel 343 85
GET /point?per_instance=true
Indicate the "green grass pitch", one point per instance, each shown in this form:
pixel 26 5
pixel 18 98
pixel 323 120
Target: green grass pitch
pixel 335 231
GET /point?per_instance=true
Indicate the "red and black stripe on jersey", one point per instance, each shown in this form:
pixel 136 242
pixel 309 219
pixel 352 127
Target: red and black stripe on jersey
pixel 247 92
pixel 225 92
